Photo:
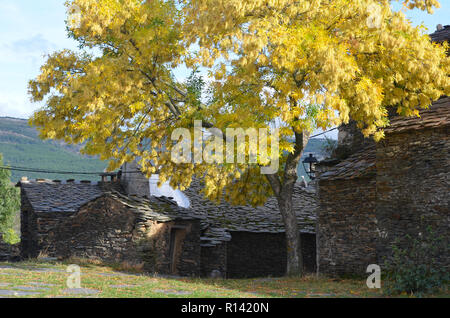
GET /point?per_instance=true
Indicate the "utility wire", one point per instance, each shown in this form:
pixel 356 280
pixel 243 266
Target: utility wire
pixel 46 171
pixel 323 133
pixel 24 169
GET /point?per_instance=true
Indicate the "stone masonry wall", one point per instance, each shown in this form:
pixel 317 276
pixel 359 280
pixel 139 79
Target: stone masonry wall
pixel 214 258
pixel 25 242
pixel 45 223
pixel 152 241
pixel 101 229
pixel 264 254
pixel 35 230
pixel 359 219
pixel 107 230
pixel 346 228
pixel 8 252
pixel 413 173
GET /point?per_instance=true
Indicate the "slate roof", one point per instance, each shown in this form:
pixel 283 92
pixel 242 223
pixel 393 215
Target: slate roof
pixel 363 162
pixel 159 209
pixel 358 165
pixel 49 196
pixel 437 115
pixel 217 221
pixel 221 220
pixel 441 35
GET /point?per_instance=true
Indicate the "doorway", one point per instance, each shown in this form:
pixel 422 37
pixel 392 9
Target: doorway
pixel 177 235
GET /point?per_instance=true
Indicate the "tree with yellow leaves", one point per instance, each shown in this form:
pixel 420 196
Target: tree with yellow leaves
pixel 290 64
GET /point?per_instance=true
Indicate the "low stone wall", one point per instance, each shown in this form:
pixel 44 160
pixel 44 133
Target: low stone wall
pixel 264 254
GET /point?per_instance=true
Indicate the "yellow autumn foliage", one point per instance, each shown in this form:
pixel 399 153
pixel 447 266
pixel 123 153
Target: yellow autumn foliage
pixel 294 64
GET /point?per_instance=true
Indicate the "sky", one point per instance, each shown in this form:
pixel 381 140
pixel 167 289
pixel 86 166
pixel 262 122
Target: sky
pixel 31 29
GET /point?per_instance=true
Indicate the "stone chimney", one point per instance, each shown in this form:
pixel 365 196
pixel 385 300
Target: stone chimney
pixel 134 181
pixel 113 177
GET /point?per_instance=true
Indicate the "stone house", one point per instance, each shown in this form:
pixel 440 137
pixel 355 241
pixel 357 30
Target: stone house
pixel 378 193
pixel 95 220
pixel 119 220
pixel 241 241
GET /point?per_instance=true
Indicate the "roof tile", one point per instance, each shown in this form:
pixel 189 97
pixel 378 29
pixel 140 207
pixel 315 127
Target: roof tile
pixel 441 35
pixel 437 115
pixel 217 221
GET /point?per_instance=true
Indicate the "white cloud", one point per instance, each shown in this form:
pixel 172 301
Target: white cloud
pixel 32 50
pixel 8 9
pixel 16 105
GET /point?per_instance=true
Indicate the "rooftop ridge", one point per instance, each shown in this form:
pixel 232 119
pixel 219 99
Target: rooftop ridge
pixel 56 182
pixel 441 34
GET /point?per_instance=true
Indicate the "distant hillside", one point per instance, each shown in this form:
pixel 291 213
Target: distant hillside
pixel 21 146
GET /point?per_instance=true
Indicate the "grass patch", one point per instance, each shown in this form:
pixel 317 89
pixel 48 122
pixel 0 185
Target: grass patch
pixel 107 282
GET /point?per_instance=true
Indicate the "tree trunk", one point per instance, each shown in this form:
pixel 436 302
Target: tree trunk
pixel 284 189
pixel 293 240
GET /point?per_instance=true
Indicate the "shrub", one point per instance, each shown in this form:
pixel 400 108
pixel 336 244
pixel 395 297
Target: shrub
pixel 9 205
pixel 413 267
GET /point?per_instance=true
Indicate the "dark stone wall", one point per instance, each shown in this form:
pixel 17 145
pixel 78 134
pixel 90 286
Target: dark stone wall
pixel 413 176
pixel 45 223
pixel 8 252
pixel 264 254
pixel 107 230
pixel 359 219
pixel 154 242
pixel 214 258
pixel 309 249
pixel 35 230
pixel 347 228
pixel 25 241
pixel 101 229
